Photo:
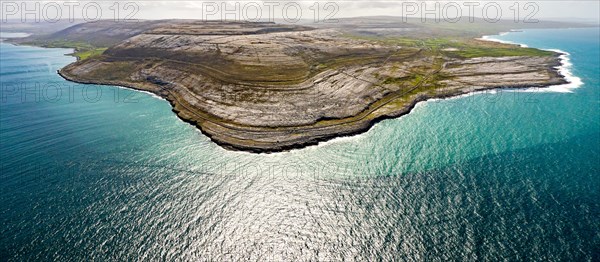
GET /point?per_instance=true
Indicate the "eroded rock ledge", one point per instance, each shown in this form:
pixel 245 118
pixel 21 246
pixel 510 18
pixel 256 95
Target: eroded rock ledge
pixel 274 89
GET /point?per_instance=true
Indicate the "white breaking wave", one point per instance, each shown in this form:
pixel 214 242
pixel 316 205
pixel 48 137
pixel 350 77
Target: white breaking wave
pixel 141 91
pixel 491 39
pixel 564 69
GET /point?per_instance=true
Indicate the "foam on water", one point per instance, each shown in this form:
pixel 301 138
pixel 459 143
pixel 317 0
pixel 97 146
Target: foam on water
pixel 564 69
pixel 142 91
pixel 492 39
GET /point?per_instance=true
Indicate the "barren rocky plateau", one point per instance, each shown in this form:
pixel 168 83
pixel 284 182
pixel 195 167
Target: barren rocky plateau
pixel 265 87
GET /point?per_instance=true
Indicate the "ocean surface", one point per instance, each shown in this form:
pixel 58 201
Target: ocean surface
pixel 105 173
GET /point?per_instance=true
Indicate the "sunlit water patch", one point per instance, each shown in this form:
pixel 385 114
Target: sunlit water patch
pixel 108 173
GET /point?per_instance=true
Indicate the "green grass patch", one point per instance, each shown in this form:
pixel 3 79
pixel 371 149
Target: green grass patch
pixel 457 47
pixel 404 80
pixel 78 46
pixel 472 52
pixel 83 50
pixel 82 55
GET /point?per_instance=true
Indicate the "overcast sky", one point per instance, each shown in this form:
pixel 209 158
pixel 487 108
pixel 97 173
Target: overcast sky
pixel 539 9
pixel 307 10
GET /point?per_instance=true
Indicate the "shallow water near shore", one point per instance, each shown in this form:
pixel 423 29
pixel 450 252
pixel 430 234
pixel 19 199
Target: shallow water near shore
pixel 109 173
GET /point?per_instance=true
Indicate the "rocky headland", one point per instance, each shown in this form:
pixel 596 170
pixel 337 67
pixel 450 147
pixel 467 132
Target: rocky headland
pixel 265 87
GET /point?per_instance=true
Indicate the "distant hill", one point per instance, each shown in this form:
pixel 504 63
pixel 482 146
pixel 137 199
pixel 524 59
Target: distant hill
pixel 99 33
pixel 106 33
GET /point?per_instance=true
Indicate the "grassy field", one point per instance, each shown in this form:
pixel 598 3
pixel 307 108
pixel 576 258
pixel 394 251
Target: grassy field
pixel 458 47
pixel 82 55
pixel 82 50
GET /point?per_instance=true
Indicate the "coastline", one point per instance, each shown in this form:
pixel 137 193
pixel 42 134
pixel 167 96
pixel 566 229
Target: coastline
pixel 564 68
pixel 358 128
pixel 366 126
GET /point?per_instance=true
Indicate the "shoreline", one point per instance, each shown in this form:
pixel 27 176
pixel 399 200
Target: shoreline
pixel 564 68
pixel 359 128
pixel 316 141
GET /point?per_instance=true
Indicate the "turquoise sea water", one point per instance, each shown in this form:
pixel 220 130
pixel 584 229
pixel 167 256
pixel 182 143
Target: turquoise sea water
pixel 101 172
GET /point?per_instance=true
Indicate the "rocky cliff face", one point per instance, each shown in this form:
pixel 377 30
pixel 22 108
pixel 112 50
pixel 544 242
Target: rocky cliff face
pixel 263 87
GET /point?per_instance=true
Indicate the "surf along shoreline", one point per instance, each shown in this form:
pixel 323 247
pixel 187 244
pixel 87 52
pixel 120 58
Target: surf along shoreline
pixel 563 70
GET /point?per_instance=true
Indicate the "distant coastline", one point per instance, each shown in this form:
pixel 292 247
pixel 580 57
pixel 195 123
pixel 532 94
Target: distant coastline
pixel 5 35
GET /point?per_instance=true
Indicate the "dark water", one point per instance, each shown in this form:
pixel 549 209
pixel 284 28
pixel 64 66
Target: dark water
pixel 499 176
